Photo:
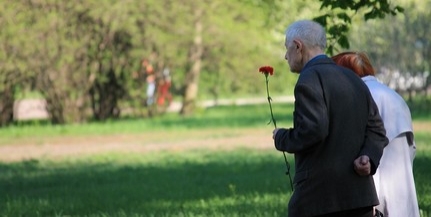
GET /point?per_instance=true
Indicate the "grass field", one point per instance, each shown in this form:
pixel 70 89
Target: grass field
pixel 219 162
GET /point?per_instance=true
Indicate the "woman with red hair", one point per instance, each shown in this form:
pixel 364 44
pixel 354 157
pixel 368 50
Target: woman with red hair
pixel 394 177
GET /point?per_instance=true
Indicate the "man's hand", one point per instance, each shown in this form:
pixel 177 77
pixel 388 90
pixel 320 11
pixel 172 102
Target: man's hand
pixel 362 165
pixel 274 132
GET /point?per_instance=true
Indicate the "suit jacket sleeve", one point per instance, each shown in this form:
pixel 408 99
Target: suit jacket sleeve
pixel 375 136
pixel 310 121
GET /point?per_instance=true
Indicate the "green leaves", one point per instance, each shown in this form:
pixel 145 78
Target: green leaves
pixel 338 17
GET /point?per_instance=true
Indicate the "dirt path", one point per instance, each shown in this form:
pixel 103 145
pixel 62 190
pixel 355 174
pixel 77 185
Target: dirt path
pixel 66 147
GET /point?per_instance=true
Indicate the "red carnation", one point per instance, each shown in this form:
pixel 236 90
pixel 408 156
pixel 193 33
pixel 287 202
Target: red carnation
pixel 266 70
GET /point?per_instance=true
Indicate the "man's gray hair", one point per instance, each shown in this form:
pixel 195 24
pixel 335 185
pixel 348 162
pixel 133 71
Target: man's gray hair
pixel 309 32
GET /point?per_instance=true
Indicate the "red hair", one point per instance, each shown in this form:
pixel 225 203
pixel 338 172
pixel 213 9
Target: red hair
pixel 356 61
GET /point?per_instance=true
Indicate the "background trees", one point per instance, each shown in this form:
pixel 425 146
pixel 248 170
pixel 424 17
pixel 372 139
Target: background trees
pixel 400 49
pixel 84 57
pixel 14 69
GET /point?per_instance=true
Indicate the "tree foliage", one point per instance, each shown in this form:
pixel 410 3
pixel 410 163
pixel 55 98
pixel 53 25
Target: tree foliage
pixel 400 49
pixel 14 69
pixel 338 16
pixel 85 57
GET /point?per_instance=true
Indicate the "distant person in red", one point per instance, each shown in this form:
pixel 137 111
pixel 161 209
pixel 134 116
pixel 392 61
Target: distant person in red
pixel 164 97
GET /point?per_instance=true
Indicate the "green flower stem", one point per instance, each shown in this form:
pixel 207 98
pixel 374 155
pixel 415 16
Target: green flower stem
pixel 269 102
pixel 275 126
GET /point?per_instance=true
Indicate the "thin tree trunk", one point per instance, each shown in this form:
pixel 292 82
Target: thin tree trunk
pixel 192 77
pixel 6 106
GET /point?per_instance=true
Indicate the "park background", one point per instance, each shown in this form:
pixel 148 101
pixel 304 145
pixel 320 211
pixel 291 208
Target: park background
pixel 100 149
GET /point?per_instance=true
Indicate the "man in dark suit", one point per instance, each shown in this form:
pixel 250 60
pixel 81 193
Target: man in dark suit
pixel 337 137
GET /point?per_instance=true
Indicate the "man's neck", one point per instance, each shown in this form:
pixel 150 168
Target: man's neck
pixel 310 54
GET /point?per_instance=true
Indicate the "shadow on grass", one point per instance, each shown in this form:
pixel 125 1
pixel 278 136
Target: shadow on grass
pixel 221 183
pixel 422 174
pixel 224 184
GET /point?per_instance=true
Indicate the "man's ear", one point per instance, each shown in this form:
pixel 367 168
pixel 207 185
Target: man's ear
pixel 298 45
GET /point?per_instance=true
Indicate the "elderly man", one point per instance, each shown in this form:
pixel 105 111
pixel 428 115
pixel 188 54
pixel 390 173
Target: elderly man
pixel 337 136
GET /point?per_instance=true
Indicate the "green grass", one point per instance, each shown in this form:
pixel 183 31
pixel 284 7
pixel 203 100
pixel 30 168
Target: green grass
pixel 203 183
pixel 420 107
pixel 239 182
pixel 216 117
pixel 196 183
pixel 422 171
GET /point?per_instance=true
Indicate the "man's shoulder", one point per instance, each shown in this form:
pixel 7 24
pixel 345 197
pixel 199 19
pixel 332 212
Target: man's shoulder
pixel 322 63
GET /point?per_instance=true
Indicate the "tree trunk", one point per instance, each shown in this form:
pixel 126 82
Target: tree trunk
pixel 104 97
pixel 195 59
pixel 54 97
pixel 55 109
pixel 6 106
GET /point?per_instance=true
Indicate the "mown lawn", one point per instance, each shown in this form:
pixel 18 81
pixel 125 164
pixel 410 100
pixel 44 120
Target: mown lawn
pixel 189 182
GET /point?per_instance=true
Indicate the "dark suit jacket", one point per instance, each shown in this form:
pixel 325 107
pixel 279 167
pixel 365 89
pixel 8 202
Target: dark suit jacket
pixel 335 121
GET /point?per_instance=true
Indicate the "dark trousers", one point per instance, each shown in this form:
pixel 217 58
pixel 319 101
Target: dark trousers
pixel 361 212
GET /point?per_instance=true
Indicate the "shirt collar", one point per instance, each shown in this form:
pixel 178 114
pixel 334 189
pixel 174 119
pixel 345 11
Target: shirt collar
pixel 320 56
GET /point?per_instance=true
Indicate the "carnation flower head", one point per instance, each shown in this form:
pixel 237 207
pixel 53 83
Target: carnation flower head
pixel 267 70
